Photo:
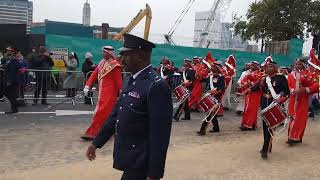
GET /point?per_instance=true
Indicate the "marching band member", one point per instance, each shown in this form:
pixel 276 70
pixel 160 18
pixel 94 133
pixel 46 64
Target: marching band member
pixel 314 63
pixel 284 71
pixel 188 76
pixel 108 73
pixel 216 86
pixel 166 70
pixel 209 58
pixel 197 85
pixel 302 84
pixel 274 88
pixel 266 61
pixel 252 99
pixel 314 68
pixel 240 106
pixel 230 71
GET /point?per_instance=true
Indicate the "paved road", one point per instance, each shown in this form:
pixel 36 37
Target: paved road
pixel 37 146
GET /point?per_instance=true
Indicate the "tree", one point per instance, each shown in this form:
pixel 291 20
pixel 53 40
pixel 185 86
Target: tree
pixel 278 20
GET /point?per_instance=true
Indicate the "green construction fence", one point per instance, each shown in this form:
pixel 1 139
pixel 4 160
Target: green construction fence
pixel 175 53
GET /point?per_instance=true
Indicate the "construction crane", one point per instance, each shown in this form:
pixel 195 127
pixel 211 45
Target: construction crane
pixel 168 36
pixel 135 21
pixel 218 7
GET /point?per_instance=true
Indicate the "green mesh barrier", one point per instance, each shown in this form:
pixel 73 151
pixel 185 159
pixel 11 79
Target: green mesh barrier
pixel 175 53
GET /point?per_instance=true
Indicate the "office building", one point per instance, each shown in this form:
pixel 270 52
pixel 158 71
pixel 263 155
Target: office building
pixel 16 12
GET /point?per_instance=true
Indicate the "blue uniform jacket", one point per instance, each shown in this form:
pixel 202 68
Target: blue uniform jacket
pixel 12 71
pixel 141 122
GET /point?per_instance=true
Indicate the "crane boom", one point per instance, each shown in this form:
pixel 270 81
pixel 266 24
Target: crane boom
pixel 135 21
pixel 168 37
pixel 217 6
pixel 210 19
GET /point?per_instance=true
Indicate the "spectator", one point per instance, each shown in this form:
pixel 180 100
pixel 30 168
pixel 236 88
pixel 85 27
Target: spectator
pixel 70 82
pixel 87 69
pixel 88 66
pixel 6 57
pixel 34 54
pixel 12 76
pixel 1 79
pixel 42 62
pixel 23 77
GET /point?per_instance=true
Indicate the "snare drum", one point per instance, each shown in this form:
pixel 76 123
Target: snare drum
pixel 208 102
pixel 274 115
pixel 181 92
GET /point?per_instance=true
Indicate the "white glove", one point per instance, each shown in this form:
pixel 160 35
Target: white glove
pixel 86 90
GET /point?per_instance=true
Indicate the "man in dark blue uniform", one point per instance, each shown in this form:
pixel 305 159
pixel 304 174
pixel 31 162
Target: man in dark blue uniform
pixel 141 120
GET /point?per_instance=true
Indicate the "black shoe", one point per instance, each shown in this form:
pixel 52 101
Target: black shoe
pixel 239 113
pixel 244 128
pixel 11 112
pixel 214 131
pixel 45 103
pixel 292 142
pixel 85 138
pixel 252 129
pixel 264 155
pixel 311 115
pixel 201 133
pixel 185 119
pixel 226 109
pixel 175 118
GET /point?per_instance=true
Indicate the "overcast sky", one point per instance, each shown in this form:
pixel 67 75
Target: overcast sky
pixel 118 13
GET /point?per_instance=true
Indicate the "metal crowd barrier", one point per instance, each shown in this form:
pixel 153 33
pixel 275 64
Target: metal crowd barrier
pixel 33 81
pixel 50 85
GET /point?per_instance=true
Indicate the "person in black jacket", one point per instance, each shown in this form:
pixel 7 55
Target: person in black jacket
pixel 12 82
pixel 188 76
pixel 42 62
pixel 278 84
pixel 141 120
pixel 7 57
pixel 87 69
pixel 215 87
